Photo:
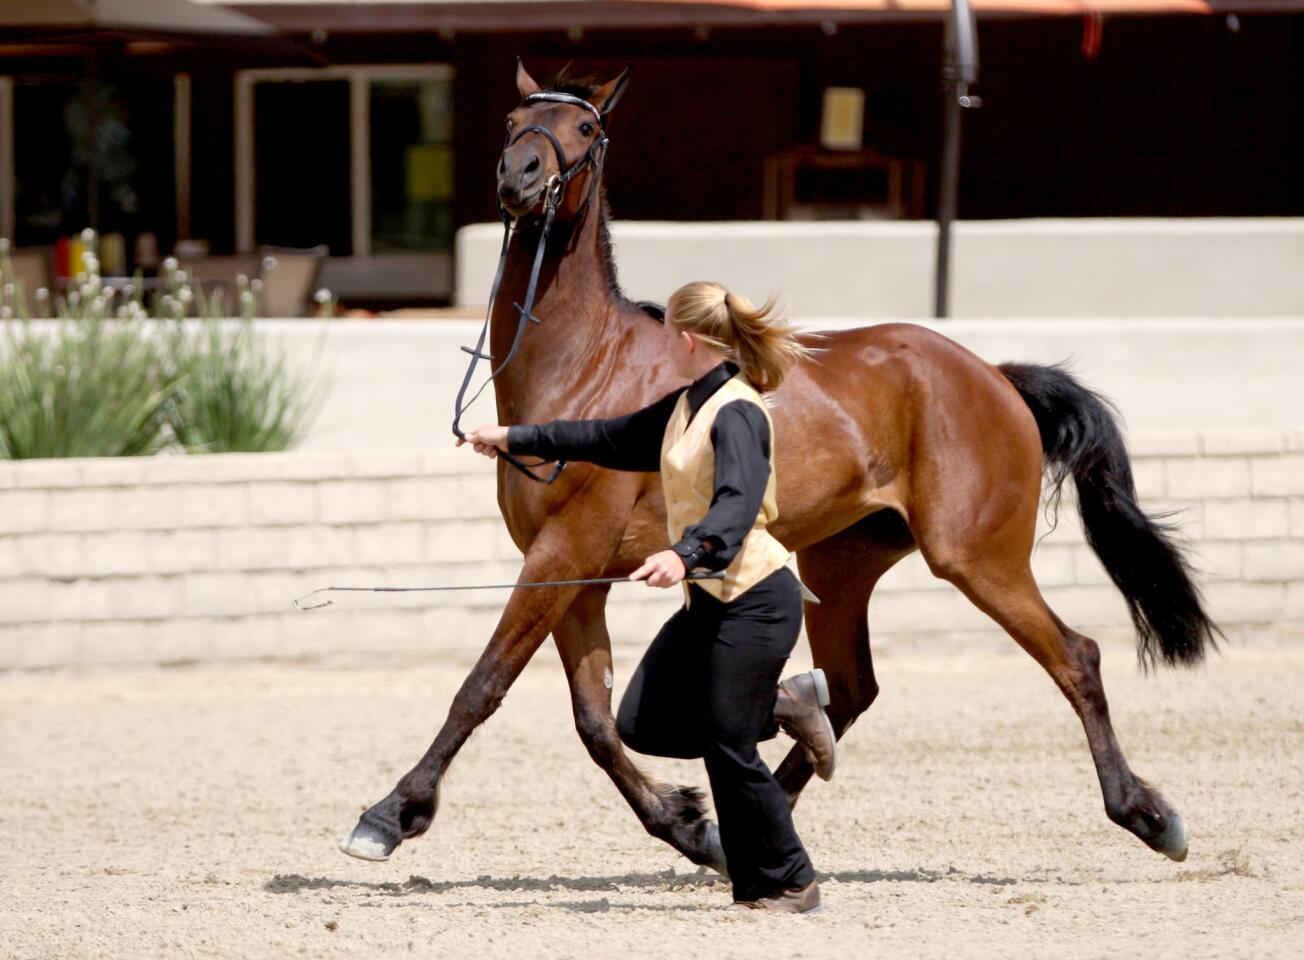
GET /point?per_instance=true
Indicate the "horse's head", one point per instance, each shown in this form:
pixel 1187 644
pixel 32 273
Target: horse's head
pixel 556 140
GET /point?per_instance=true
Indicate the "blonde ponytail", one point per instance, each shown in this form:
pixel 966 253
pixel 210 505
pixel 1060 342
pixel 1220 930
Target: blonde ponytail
pixel 761 343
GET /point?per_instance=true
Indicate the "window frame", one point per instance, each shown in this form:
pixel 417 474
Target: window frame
pixel 359 78
pixel 8 170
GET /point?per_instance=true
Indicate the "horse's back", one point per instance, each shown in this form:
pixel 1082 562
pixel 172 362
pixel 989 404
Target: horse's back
pixel 870 409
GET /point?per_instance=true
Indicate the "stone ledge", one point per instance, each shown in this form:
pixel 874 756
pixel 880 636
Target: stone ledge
pixel 96 472
pixel 192 557
pixel 308 466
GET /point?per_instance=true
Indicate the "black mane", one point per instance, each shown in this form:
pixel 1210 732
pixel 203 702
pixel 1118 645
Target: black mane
pixel 605 250
pixel 586 87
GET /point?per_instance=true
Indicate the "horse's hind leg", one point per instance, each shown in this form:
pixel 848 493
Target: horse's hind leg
pixel 1007 593
pixel 842 571
pixel 676 815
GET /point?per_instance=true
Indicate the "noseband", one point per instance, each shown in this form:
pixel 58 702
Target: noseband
pixel 554 189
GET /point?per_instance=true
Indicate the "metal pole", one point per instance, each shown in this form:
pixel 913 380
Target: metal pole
pixel 950 173
pixel 959 70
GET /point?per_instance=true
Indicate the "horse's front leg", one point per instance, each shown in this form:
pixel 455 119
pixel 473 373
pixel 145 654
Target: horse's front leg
pixel 528 618
pixel 674 814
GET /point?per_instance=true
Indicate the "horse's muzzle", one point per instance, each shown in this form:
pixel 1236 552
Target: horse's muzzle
pixel 520 178
pixel 517 202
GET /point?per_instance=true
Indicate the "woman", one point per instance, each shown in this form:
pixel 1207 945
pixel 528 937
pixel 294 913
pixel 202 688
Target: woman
pixel 707 685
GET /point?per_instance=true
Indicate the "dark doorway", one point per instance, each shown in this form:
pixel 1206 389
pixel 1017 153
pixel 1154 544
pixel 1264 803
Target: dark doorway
pixel 301 164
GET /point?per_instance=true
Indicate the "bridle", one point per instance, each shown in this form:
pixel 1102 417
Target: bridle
pixel 553 191
pixel 594 155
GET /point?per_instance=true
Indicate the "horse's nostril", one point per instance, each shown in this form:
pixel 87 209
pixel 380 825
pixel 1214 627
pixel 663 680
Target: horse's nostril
pixel 502 165
pixel 533 165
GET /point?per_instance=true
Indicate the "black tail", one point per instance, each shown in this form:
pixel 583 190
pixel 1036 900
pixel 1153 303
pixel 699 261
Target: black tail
pixel 1081 438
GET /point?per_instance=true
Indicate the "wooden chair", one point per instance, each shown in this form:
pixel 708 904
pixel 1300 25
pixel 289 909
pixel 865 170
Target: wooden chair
pixel 218 276
pixel 289 279
pixel 902 198
pixel 29 270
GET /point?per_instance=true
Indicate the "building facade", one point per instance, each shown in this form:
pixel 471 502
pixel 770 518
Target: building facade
pixel 374 128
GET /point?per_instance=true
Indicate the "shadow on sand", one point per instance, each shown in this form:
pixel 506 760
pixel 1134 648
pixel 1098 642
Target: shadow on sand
pixel 628 882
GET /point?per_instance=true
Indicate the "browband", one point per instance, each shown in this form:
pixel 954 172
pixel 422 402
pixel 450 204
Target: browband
pixel 557 97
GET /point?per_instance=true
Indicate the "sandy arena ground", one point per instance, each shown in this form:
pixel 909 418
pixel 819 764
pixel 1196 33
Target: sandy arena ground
pixel 193 811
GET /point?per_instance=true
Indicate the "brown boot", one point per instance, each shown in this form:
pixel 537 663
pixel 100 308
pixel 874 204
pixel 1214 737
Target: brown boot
pixel 799 711
pixel 802 900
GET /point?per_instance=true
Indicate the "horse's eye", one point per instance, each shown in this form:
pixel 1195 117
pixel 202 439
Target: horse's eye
pixel 586 129
pixel 509 126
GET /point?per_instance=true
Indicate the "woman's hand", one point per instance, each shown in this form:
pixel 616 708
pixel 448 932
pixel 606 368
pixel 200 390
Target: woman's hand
pixel 488 440
pixel 663 569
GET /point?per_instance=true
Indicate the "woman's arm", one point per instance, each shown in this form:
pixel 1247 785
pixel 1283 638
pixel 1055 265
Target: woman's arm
pixel 631 442
pixel 741 438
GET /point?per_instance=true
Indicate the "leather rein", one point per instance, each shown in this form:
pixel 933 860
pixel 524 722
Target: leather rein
pixel 553 191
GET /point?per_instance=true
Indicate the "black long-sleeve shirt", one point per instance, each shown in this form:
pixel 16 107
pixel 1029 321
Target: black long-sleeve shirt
pixel 740 436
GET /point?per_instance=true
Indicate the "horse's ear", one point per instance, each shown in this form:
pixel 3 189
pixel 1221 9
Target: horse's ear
pixel 525 84
pixel 608 94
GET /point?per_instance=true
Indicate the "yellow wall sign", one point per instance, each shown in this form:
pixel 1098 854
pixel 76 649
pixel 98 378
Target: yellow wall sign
pixel 429 172
pixel 843 121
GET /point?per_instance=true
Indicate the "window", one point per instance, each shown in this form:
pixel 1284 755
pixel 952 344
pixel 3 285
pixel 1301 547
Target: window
pixel 359 158
pixel 411 165
pixel 301 164
pixel 60 186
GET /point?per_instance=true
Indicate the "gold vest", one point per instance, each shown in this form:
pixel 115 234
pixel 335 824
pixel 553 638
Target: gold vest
pixel 688 481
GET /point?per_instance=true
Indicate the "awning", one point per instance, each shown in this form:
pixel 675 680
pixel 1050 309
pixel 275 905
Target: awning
pixel 151 16
pixel 165 32
pixel 827 7
pixel 384 16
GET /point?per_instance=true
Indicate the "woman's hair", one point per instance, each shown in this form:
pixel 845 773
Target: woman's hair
pixel 758 341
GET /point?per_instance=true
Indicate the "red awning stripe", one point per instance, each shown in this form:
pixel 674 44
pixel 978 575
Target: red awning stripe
pixel 1063 7
pixel 422 16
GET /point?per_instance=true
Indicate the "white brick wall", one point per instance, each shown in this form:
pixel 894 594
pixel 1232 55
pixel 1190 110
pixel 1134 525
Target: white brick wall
pixel 176 558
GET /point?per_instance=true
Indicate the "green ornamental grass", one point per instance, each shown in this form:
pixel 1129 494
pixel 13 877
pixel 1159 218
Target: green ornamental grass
pixel 105 379
pixel 86 388
pixel 233 394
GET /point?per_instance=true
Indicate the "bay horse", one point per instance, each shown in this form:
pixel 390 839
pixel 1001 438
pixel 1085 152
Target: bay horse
pixel 889 439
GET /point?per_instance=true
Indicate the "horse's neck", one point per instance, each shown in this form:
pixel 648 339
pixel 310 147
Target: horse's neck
pixel 574 303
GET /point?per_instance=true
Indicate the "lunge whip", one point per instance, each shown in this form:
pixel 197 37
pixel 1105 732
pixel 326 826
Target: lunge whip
pixel 586 582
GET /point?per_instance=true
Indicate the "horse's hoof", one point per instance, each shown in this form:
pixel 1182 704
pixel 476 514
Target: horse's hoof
pixel 1173 842
pixel 367 843
pixel 714 849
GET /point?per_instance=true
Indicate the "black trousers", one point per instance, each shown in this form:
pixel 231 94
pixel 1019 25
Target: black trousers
pixel 706 688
